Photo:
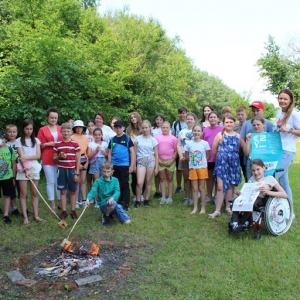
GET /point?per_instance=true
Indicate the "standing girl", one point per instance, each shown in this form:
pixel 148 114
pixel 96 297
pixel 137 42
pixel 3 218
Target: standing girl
pixel 28 147
pixel 207 109
pixel 227 169
pixel 167 153
pixel 209 134
pixel 184 136
pixel 197 152
pixel 90 125
pixel 147 161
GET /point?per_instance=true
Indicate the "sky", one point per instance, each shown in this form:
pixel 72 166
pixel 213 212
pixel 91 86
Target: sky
pixel 223 38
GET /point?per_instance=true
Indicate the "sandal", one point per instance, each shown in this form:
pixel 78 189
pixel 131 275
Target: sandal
pixel 39 220
pixel 229 212
pixel 25 222
pixel 214 215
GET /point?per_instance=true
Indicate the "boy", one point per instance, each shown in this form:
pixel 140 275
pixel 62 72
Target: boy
pixel 121 154
pixel 108 190
pixel 176 128
pixel 12 133
pixel 8 170
pixel 67 156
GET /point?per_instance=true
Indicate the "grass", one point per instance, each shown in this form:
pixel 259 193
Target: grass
pixel 186 256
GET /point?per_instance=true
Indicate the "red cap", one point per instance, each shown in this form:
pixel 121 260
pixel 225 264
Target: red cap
pixel 257 104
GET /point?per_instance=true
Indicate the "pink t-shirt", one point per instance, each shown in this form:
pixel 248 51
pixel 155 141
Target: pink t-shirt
pixel 209 135
pixel 167 145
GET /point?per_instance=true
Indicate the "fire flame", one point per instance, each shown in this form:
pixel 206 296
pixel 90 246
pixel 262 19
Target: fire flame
pixel 94 250
pixel 73 248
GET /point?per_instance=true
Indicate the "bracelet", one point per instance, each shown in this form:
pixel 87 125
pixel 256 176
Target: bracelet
pixel 77 174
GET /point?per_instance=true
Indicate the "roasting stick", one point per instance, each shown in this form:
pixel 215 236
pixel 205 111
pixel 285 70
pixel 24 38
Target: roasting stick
pixel 61 223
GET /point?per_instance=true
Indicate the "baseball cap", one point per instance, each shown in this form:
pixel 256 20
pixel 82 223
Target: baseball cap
pixel 257 104
pixel 119 123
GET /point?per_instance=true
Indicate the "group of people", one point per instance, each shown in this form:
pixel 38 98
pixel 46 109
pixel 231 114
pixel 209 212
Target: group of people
pixel 77 157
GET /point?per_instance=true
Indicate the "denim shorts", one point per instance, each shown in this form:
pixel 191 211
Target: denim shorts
pixel 96 167
pixel 65 180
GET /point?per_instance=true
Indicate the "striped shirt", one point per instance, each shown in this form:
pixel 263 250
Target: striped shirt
pixel 70 148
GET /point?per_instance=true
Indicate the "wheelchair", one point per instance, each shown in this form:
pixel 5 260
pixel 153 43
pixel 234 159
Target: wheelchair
pixel 277 214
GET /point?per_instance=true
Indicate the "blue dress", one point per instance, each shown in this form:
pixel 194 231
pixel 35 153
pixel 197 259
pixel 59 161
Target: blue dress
pixel 228 162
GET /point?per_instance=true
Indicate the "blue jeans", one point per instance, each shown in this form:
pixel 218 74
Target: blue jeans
pixel 118 211
pixel 283 177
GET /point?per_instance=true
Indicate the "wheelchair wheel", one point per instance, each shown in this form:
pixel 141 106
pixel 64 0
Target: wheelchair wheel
pixel 278 215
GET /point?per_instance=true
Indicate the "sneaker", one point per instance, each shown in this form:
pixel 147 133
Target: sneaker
pixel 162 200
pixel 134 199
pixel 126 207
pixel 191 201
pixel 157 195
pixel 7 220
pixel 208 200
pixel 97 206
pixel 105 220
pixel 142 198
pixel 15 212
pixel 186 201
pixel 63 215
pixel 73 214
pixel 77 204
pixel 178 190
pixel 83 203
pixel 169 200
pixel 137 204
pixel 146 203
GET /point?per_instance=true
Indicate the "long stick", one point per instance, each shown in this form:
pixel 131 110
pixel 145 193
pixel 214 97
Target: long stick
pixel 85 207
pixel 44 199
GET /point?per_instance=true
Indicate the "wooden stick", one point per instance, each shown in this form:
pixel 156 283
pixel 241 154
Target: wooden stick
pixel 85 207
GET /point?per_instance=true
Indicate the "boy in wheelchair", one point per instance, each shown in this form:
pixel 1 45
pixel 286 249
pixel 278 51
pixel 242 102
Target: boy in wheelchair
pixel 240 220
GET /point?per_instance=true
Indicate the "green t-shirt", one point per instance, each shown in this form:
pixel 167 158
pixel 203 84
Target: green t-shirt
pixel 6 158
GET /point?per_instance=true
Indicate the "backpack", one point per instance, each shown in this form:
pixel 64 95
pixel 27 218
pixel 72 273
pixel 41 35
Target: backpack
pixel 175 126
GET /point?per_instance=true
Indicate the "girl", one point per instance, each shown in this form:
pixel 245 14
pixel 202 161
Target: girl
pixel 269 183
pixel 90 124
pixel 155 130
pixel 209 134
pixel 28 147
pixel 197 153
pixel 167 153
pixel 227 169
pixel 133 130
pixel 207 109
pixel 83 141
pixel 147 161
pixel 97 153
pixel 184 136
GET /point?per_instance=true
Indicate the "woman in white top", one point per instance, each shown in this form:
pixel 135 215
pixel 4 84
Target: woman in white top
pixel 28 147
pixel 287 122
pixel 107 132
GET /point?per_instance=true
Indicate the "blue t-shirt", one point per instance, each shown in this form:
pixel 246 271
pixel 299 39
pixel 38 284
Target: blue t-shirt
pixel 120 154
pixel 247 128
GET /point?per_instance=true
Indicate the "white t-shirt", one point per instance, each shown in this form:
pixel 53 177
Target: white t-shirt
pixel 288 139
pixel 93 146
pixel 28 150
pixel 156 131
pixel 197 154
pixel 268 182
pixel 145 146
pixel 185 135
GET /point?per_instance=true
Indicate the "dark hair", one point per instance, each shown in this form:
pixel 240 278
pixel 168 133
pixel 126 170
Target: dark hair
pixel 226 116
pixel 291 106
pixel 214 113
pixel 50 110
pixel 90 121
pixel 257 162
pixel 181 109
pixel 27 122
pixel 98 129
pixel 203 117
pixel 114 118
pixel 258 118
pixel 158 115
pixel 101 114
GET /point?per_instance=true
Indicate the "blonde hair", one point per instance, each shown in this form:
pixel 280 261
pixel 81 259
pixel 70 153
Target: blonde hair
pixel 132 129
pixel 66 126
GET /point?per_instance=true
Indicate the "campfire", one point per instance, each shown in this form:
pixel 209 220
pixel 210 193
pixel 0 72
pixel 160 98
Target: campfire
pixel 74 258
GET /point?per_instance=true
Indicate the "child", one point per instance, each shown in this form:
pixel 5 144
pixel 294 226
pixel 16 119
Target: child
pixel 155 130
pixel 29 151
pixel 184 136
pixel 67 156
pixel 83 141
pixel 176 128
pixel 227 169
pixel 207 109
pixel 12 133
pixel 112 122
pixel 108 190
pixel 269 184
pixel 147 162
pixel 90 125
pixel 167 153
pixel 7 173
pixel 121 154
pixel 209 134
pixel 197 153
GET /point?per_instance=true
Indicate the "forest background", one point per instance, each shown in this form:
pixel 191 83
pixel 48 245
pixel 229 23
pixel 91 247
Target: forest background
pixel 64 54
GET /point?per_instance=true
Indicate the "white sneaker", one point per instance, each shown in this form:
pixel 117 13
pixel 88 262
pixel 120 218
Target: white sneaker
pixel 169 200
pixel 191 201
pixel 78 204
pixel 186 201
pixel 134 199
pixel 142 198
pixel 163 200
pixel 96 205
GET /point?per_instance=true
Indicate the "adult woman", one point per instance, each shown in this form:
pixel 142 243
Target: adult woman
pixel 106 130
pixel 287 122
pixel 48 135
pixel 207 109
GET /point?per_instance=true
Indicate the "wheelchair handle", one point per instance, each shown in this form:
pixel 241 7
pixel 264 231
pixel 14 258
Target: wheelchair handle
pixel 277 171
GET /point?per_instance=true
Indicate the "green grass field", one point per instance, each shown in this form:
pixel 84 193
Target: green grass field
pixel 185 256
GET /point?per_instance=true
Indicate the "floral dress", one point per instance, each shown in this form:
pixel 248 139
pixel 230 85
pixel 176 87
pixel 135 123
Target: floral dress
pixel 228 162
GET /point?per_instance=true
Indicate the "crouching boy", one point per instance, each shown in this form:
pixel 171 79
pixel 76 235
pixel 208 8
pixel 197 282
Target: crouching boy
pixel 108 189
